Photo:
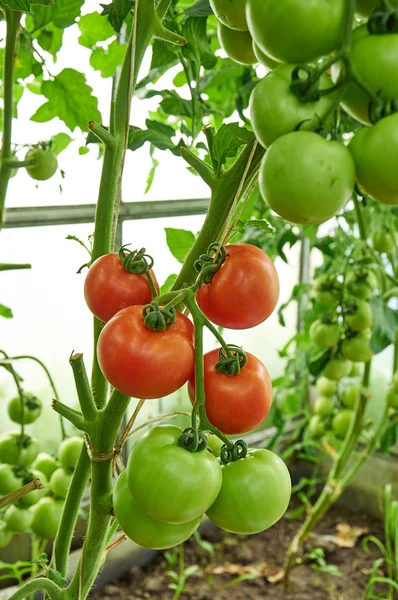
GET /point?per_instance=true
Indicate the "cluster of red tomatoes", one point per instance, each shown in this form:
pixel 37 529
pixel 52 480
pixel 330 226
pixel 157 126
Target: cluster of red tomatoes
pixel 304 177
pixel 161 497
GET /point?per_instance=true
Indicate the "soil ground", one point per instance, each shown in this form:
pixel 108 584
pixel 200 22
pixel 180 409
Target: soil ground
pixel 261 557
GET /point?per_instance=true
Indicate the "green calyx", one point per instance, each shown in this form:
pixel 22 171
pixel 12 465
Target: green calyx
pixel 158 319
pixel 239 450
pixel 135 261
pixel 305 84
pixel 208 264
pixel 231 362
pixel 192 440
pixel 383 21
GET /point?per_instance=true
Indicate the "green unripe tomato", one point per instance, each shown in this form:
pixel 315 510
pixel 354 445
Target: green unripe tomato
pixel 357 348
pixel 328 290
pixel 168 482
pixel 359 315
pixel 382 242
pixel 31 409
pixel 60 482
pixel 316 426
pixel 5 535
pixel 231 13
pixel 350 394
pixel 301 167
pixel 34 497
pixel 214 445
pixel 69 452
pixel 337 368
pixel 375 154
pixel 238 45
pixel 46 517
pixel 254 495
pixel 326 335
pixel 45 463
pixel 324 406
pixel 12 453
pixel 264 59
pixel 392 397
pixel 356 370
pixel 341 422
pixel 275 110
pixel 9 481
pixel 46 164
pixel 18 519
pixel 362 284
pixel 364 8
pixel 141 528
pixel 326 387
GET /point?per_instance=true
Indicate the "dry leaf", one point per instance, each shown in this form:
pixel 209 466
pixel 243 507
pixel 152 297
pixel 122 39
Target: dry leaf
pixel 259 569
pixel 275 576
pixel 346 536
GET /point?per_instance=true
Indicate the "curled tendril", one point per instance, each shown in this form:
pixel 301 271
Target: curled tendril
pixel 208 264
pixel 192 440
pixel 135 261
pixel 232 363
pixel 382 21
pixel 239 450
pixel 158 319
pixel 305 84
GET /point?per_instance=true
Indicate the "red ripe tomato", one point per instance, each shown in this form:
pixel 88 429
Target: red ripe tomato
pixel 142 363
pixel 244 291
pixel 109 287
pixel 235 403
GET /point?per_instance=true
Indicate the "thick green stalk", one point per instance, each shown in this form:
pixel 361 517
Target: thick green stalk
pixel 223 195
pixel 102 447
pixel 13 19
pixel 14 267
pixel 36 585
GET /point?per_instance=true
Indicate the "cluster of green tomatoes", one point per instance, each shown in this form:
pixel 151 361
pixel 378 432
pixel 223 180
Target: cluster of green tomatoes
pixel 21 461
pixel 305 176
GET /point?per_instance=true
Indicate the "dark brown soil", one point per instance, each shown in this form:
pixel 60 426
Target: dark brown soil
pixel 260 554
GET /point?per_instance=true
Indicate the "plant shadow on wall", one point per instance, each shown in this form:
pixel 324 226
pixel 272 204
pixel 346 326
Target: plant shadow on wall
pixel 324 145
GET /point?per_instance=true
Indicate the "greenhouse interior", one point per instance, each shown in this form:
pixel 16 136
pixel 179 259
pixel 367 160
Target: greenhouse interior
pixel 199 299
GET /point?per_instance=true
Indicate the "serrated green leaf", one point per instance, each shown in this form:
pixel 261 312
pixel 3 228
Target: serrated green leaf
pixel 59 142
pixel 156 133
pixel 319 362
pixel 94 28
pixel 50 38
pixel 163 58
pixel 179 241
pixel 200 8
pixel 70 99
pixel 197 47
pixel 107 60
pixel 227 141
pixel 151 175
pixel 117 12
pixel 25 5
pixel 166 287
pixel 63 14
pixel 385 321
pixel 5 312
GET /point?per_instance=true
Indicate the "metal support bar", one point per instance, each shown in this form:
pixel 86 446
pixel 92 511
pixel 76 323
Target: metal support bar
pixel 39 216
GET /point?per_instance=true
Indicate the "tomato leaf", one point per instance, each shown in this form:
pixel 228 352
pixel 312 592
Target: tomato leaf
pixel 70 99
pixel 385 321
pixel 167 284
pixel 59 142
pixel 287 237
pixel 197 47
pixel 106 60
pixel 63 14
pixel 117 11
pixel 179 242
pixel 201 8
pixel 163 58
pixel 227 141
pixel 299 291
pixel 94 28
pixel 319 362
pixel 5 312
pixel 158 134
pixel 25 5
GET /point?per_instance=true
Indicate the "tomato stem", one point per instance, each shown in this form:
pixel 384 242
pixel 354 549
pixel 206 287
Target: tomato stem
pixel 86 400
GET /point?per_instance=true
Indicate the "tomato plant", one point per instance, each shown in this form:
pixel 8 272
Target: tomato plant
pixel 244 291
pixel 357 348
pixel 231 13
pixel 235 403
pixel 337 368
pixel 130 355
pixel 33 497
pixel 5 535
pixel 350 395
pixel 326 386
pixel 266 481
pixel 69 451
pixel 46 516
pixel 18 450
pixel 301 167
pixel 46 164
pixel 341 422
pixel 45 463
pixel 324 406
pixel 358 315
pixel 157 463
pixel 238 45
pixel 325 334
pixel 18 519
pixel 60 482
